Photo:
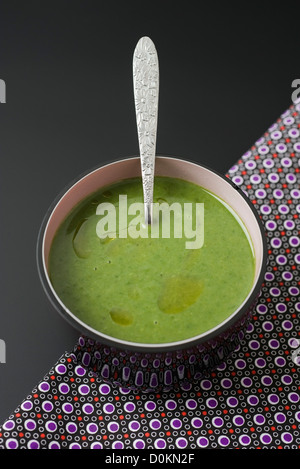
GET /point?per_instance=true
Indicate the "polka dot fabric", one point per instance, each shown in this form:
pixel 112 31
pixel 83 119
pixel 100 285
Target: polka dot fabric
pixel 251 401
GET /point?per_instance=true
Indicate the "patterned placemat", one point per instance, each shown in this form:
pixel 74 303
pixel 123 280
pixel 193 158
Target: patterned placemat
pixel 251 401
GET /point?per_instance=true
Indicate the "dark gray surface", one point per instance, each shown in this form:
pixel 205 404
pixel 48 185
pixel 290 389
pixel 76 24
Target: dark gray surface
pixel 225 76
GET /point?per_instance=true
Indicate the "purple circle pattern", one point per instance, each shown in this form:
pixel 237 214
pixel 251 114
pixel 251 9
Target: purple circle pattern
pixel 251 401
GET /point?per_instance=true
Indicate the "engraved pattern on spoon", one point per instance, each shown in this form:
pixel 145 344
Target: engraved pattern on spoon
pixel 146 87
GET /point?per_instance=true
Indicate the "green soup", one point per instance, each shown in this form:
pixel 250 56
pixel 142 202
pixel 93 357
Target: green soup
pixel 152 289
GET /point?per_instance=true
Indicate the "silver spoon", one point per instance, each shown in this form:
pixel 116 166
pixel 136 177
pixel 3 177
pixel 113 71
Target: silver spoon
pixel 146 87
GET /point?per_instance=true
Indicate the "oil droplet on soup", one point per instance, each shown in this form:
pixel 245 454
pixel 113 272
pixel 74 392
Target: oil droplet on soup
pixel 80 240
pixel 178 293
pixel 121 317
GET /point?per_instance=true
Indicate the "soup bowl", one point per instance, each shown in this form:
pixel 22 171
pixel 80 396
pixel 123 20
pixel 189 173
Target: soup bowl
pixel 150 366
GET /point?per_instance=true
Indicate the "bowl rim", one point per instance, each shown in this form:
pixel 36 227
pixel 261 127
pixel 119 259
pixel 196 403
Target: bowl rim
pixel 115 343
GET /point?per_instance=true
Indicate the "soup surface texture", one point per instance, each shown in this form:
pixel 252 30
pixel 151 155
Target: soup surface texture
pixel 151 289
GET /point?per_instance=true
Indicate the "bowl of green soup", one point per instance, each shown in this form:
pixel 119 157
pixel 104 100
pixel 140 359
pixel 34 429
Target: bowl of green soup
pixel 155 305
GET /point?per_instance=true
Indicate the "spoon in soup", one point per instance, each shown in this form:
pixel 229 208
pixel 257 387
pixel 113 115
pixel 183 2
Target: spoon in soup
pixel 146 90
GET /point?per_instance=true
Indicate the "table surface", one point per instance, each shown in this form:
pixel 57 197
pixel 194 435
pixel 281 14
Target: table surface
pixel 225 76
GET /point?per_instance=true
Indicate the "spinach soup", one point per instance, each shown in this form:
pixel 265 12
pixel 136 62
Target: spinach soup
pixel 152 288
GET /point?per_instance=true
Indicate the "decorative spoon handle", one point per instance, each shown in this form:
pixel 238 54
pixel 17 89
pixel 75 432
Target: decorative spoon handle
pixel 146 90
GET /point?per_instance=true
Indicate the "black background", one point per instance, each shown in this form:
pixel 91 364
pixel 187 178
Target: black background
pixel 226 72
